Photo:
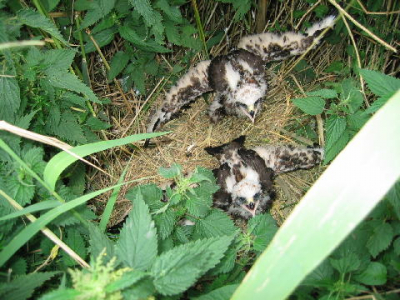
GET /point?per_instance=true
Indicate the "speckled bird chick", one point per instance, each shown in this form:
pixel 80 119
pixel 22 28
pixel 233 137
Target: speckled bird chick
pixel 246 175
pixel 237 78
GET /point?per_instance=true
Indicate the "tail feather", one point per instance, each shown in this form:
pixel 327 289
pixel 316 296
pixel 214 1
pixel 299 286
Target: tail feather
pixel 274 46
pixel 190 86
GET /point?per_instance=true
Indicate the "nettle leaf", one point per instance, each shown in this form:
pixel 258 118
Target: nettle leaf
pixel 151 194
pixel 68 128
pixel 76 242
pixel 172 12
pixel 173 33
pixel 22 287
pixel 181 234
pixel 346 264
pixel 396 246
pixel 165 223
pixel 202 174
pixel 21 189
pixel 380 239
pixel 375 274
pixel 57 59
pixel 170 173
pixel 152 18
pixel 217 223
pixel 98 10
pixel 310 105
pixel 69 81
pixel 357 120
pixel 98 242
pixel 150 45
pixel 394 198
pixel 117 64
pixel 176 270
pixel 34 159
pixel 74 99
pixel 380 84
pixel 142 289
pixel 263 227
pixel 137 245
pixel 19 266
pixel 335 128
pixel 351 95
pixel 198 202
pixel 221 293
pixel 227 263
pixel 333 150
pixel 320 274
pixel 10 98
pixel 324 93
pixel 96 124
pixel 36 20
pixel 127 280
pixel 378 103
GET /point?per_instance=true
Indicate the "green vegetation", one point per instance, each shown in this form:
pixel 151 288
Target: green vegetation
pixel 57 68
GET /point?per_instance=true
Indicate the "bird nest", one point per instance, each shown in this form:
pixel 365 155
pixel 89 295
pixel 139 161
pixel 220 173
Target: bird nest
pixel 192 132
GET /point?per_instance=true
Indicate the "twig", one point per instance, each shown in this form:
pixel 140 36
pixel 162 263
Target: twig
pixel 9 45
pixel 306 14
pixel 379 40
pixel 358 58
pixel 377 12
pixel 47 232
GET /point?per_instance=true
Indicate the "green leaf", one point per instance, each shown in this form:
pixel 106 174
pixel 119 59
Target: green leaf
pixel 380 84
pixel 142 289
pixel 378 103
pixel 263 228
pixel 331 208
pixel 129 34
pixel 70 82
pixel 176 270
pixel 117 64
pixel 310 105
pixel 346 264
pixel 30 230
pixel 57 59
pixel 152 18
pixel 197 204
pixel 174 171
pixel 333 150
pixel 221 293
pixel 22 287
pixel 63 159
pixel 380 239
pixel 323 93
pixel 336 136
pixel 96 124
pixel 32 208
pixel 137 244
pixel 21 189
pixel 172 12
pixel 357 120
pixel 165 223
pixel 76 242
pixel 98 242
pixel 18 267
pixel 396 246
pixel 98 10
pixel 216 224
pixel 351 95
pixel 102 39
pixel 202 174
pixel 62 294
pixel 127 280
pixel 394 198
pixel 375 274
pixel 10 99
pixel 151 194
pixel 36 20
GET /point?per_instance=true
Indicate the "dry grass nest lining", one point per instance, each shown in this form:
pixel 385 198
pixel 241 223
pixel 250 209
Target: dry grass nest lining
pixel 192 132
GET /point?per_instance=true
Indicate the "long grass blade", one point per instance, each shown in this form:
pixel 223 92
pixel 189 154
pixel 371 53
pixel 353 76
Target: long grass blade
pixel 31 208
pixel 62 160
pixel 28 232
pixel 341 198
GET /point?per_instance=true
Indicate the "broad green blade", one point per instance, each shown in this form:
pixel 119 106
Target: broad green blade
pixel 341 198
pixel 29 231
pixel 31 208
pixel 62 160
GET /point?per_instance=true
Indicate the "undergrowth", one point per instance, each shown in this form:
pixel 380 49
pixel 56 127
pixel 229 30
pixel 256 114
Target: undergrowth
pixel 173 244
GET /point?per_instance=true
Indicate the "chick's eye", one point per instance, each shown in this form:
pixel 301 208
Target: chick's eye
pixel 257 196
pixel 241 200
pixel 241 104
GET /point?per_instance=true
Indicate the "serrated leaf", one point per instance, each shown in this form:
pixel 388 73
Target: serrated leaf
pixel 198 205
pixel 378 103
pixel 172 32
pixel 346 264
pixel 333 150
pixel 217 223
pixel 375 274
pixel 62 294
pixel 202 174
pixel 221 293
pixel 335 127
pixel 21 190
pixel 57 59
pixel 152 195
pixel 175 270
pixel 380 239
pixel 68 128
pixel 96 124
pixel 170 173
pixel 73 99
pixel 49 5
pixel 357 120
pixel 34 159
pixel 323 93
pixel 127 280
pixel 117 64
pixel 68 81
pixel 10 99
pixel 396 246
pixel 36 20
pixel 19 266
pixel 322 273
pixel 394 198
pixel 137 244
pixel 129 34
pixel 165 223
pixel 351 95
pixel 310 105
pixel 23 286
pixel 143 289
pixel 99 9
pixel 181 235
pixel 172 12
pixel 152 18
pixel 380 84
pixel 98 242
pixel 76 242
pixel 263 228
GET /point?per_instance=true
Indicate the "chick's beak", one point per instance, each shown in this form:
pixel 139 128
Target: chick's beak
pixel 251 206
pixel 250 112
